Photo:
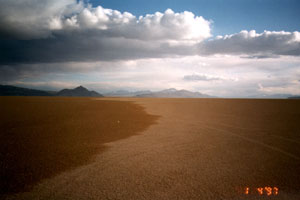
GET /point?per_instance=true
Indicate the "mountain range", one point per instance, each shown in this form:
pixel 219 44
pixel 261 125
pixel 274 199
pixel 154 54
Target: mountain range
pixel 8 90
pixel 126 93
pixel 173 93
pixel 294 97
pixel 269 96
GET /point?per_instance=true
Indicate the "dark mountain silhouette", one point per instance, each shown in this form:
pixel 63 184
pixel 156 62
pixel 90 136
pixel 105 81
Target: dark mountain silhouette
pixel 173 93
pixel 78 92
pixel 8 90
pixel 294 97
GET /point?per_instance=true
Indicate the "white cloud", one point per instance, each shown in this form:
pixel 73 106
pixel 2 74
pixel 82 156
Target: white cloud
pixel 31 19
pixel 51 31
pixel 70 31
pixel 292 87
pixel 254 45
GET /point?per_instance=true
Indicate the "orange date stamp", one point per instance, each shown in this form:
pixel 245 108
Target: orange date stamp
pixel 267 190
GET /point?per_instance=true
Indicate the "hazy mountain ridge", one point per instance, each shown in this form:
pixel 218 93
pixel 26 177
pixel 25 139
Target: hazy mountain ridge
pixel 270 96
pixel 174 93
pixel 126 93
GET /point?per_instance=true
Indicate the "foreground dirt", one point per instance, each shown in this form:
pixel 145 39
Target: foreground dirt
pixel 41 136
pixel 198 149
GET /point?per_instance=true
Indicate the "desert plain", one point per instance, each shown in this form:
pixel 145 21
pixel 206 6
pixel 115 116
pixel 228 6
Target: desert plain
pixel 149 148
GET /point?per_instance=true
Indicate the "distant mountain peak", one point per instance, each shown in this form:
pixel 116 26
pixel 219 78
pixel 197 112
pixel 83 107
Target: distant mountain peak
pixel 170 90
pixel 80 88
pixel 79 91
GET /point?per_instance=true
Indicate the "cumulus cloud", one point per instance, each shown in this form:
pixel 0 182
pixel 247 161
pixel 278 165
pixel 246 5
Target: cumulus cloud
pixel 52 31
pixel 254 45
pixel 32 19
pixel 60 31
pixel 158 26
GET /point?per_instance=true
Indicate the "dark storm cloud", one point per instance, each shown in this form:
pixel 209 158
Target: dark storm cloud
pixel 33 19
pixel 84 47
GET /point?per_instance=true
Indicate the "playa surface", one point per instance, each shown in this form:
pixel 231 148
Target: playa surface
pixel 195 149
pixel 43 136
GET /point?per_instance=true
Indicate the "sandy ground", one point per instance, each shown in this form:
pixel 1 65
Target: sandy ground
pixel 198 149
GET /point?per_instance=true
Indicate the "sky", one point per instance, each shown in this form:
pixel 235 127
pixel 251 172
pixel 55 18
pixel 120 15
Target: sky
pixel 229 16
pixel 232 48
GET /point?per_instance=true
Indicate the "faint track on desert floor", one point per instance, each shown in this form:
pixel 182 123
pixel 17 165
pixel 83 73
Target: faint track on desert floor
pixel 253 141
pixel 247 129
pixel 286 139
